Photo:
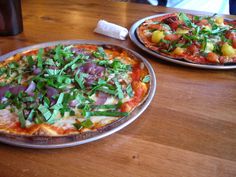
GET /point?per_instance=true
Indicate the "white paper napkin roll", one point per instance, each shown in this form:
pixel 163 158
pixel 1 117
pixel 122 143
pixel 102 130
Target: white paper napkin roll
pixel 111 30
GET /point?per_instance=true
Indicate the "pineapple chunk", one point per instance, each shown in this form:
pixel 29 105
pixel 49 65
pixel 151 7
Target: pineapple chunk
pixel 157 36
pixel 219 20
pixel 181 31
pixel 228 50
pixel 209 47
pixel 178 51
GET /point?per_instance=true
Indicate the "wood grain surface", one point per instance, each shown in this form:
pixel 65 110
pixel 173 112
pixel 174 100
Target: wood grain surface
pixel 189 130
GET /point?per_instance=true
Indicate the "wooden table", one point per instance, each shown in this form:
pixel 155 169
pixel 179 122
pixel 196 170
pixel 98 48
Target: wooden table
pixel 189 130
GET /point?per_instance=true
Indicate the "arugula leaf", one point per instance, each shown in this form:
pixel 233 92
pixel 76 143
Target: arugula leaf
pixel 13 65
pixel 45 111
pixel 31 115
pixel 52 72
pixel 60 98
pixel 118 65
pixel 51 120
pixel 21 118
pixel 80 79
pixel 30 61
pixel 108 106
pixel 40 58
pixel 78 126
pixel 19 78
pixel 102 86
pixel 100 53
pixel 28 99
pixel 146 79
pixel 129 90
pixel 3 71
pixel 70 63
pixel 3 105
pixel 204 43
pixel 58 54
pixel 8 94
pixel 103 62
pixel 46 101
pixel 109 113
pixel 183 17
pixel 87 123
pixel 118 89
pixel 50 62
pixel 107 90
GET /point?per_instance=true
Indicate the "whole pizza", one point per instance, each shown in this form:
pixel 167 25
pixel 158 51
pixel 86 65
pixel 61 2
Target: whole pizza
pixel 69 89
pixel 197 39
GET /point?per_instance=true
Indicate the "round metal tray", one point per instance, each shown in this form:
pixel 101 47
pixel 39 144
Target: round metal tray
pixel 45 142
pixel 134 38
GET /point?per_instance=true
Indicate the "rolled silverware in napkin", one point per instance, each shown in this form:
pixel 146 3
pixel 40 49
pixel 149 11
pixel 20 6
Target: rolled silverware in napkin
pixel 111 30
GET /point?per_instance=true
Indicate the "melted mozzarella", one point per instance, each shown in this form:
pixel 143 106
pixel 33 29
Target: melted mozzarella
pixel 102 119
pixel 6 117
pixel 147 33
pixel 65 123
pixel 111 100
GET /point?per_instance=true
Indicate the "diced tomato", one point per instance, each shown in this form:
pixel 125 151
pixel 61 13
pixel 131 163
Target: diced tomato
pixel 128 106
pixel 202 22
pixel 172 37
pixel 156 27
pixel 193 49
pixel 140 89
pixel 91 47
pixel 212 57
pixel 230 35
pixel 136 73
pixel 234 42
pixel 32 52
pixel 174 25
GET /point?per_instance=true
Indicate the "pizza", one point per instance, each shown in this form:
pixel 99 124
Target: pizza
pixel 69 89
pixel 196 39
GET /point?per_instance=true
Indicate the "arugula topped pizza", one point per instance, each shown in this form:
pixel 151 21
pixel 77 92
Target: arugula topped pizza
pixel 196 39
pixel 69 89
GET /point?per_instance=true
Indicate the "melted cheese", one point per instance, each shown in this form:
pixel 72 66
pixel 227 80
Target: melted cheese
pixel 103 120
pixel 65 123
pixel 111 100
pixel 6 117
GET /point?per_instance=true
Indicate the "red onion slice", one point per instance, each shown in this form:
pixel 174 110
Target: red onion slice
pixel 17 89
pixel 31 87
pixel 51 91
pixel 73 103
pixel 3 90
pixel 36 71
pixel 101 98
